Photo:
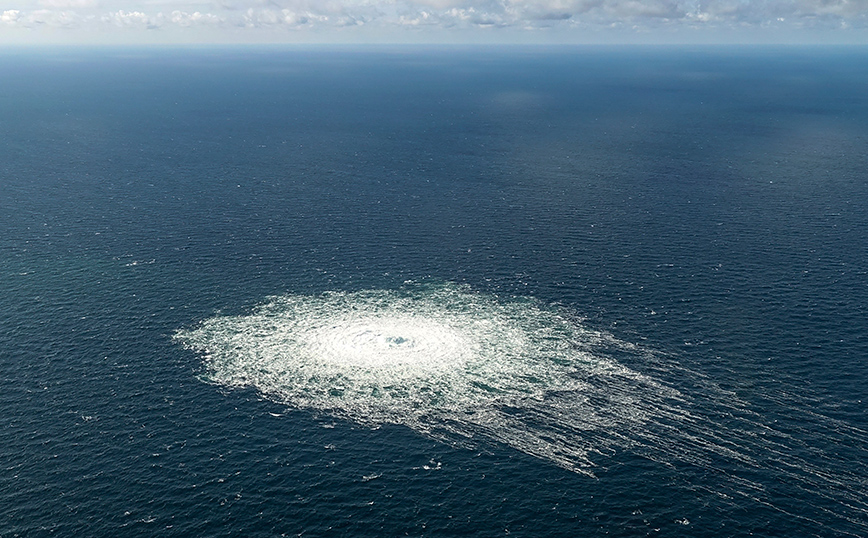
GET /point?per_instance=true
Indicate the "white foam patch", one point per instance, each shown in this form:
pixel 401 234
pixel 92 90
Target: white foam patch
pixel 442 360
pixel 462 366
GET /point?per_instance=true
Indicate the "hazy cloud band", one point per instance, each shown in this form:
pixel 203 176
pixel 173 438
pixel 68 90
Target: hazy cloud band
pixel 240 17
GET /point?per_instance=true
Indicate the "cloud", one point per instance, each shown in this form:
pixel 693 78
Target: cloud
pixel 564 18
pixel 258 18
pixel 134 19
pixel 537 13
pixel 10 16
pixel 41 18
pixel 184 19
pixel 799 12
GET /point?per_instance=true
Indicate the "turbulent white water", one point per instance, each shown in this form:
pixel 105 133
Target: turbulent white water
pixel 442 360
pixel 462 366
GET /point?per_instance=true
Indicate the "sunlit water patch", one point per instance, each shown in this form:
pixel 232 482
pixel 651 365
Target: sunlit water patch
pixel 463 366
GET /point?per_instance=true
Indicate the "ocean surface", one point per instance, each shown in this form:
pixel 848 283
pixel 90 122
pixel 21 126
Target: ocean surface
pixel 400 291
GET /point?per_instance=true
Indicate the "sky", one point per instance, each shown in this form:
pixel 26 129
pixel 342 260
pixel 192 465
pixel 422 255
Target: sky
pixel 433 21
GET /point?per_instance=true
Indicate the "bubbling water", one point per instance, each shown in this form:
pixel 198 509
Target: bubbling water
pixel 466 367
pixel 443 360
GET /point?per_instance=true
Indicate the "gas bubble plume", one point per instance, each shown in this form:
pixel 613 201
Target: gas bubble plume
pixel 443 360
pixel 466 367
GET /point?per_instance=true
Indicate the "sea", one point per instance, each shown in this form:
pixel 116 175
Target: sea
pixel 264 291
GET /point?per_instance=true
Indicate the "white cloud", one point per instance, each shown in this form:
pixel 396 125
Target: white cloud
pixel 563 19
pixel 10 16
pixel 133 19
pixel 41 18
pixel 258 18
pixel 184 19
pixel 799 12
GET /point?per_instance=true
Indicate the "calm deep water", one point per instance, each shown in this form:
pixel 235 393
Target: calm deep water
pixel 434 292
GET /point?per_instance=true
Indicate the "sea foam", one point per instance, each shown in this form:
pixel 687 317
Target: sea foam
pixel 443 360
pixel 467 367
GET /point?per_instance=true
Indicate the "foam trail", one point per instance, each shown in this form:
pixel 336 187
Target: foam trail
pixel 458 366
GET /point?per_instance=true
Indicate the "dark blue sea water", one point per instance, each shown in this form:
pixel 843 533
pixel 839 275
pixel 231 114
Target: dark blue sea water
pixel 434 292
